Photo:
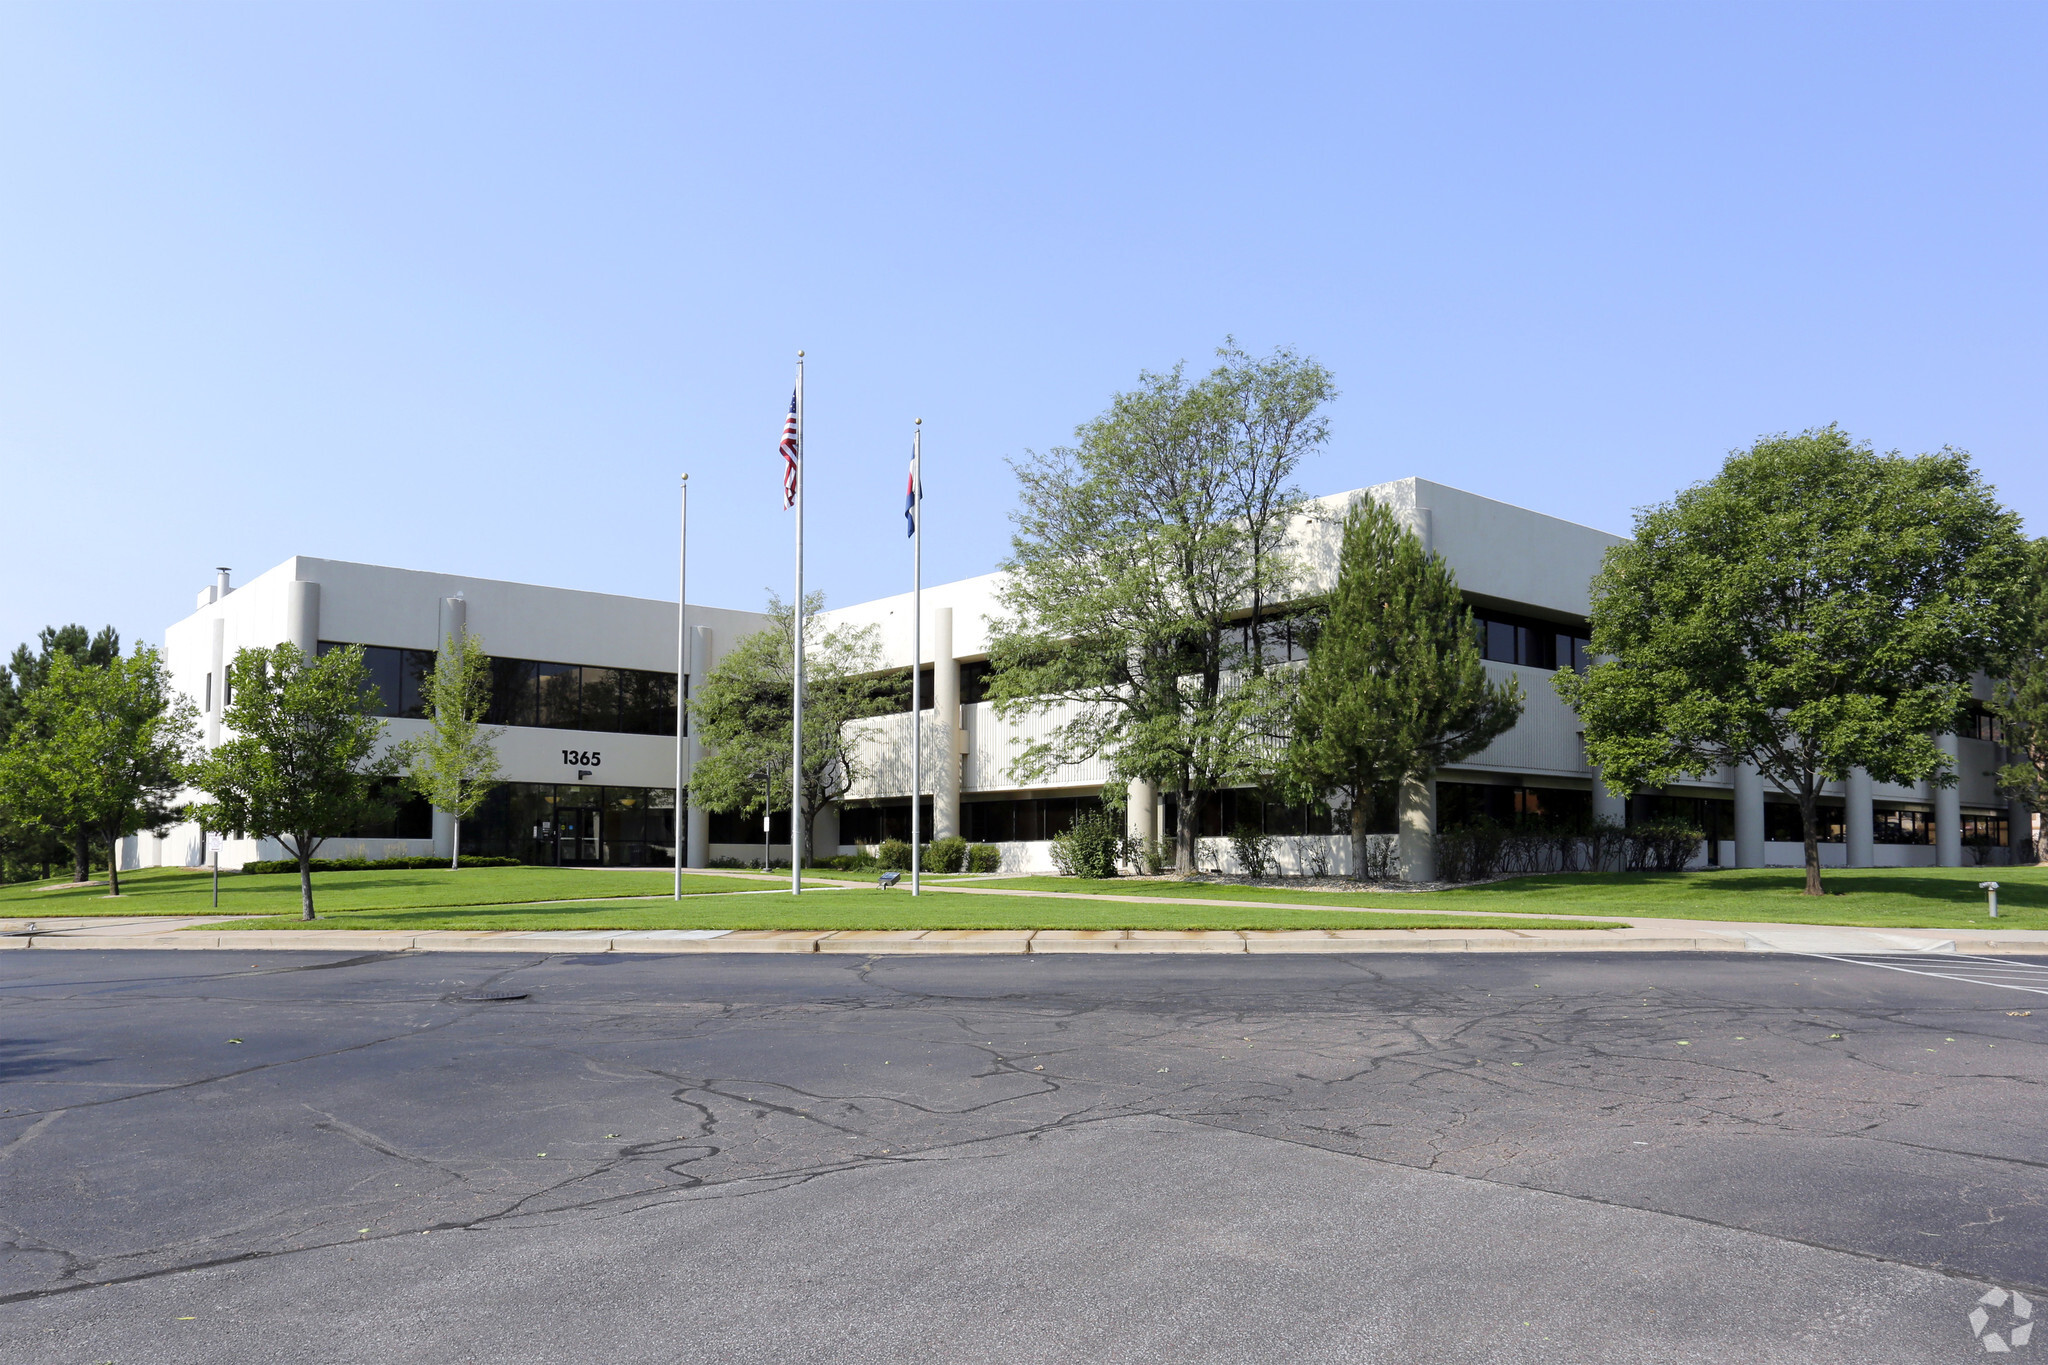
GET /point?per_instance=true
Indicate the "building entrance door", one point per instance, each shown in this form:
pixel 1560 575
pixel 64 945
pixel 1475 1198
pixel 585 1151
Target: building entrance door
pixel 578 836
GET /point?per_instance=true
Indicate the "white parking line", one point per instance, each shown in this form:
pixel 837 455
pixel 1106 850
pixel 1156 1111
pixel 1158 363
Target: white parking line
pixel 1957 965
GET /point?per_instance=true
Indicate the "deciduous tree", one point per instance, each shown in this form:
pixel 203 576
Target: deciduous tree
pixel 99 748
pixel 1814 607
pixel 455 764
pixel 302 763
pixel 22 846
pixel 1142 556
pixel 742 713
pixel 2021 700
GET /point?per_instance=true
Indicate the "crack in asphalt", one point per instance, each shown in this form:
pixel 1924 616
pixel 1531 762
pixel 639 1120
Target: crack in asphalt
pixel 1492 1086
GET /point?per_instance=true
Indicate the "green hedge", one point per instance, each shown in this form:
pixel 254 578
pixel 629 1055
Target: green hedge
pixel 372 864
pixel 945 855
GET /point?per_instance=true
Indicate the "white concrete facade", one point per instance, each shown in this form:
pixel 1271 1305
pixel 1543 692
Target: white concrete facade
pixel 1510 561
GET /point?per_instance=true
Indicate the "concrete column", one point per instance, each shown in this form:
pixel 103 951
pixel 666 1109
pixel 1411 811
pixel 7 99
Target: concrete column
pixel 444 834
pixel 1859 819
pixel 2019 824
pixel 944 755
pixel 1141 811
pixel 302 616
pixel 697 822
pixel 1749 816
pixel 216 665
pixel 825 833
pixel 1418 829
pixel 1948 811
pixel 1606 805
pixel 454 621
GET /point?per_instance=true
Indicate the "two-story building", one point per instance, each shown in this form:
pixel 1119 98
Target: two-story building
pixel 584 688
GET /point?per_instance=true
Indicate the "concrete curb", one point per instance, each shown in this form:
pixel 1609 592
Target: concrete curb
pixel 922 942
pixel 189 932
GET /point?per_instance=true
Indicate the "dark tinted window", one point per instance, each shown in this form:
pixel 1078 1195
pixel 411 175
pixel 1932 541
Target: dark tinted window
pixel 557 703
pixel 512 692
pixel 601 698
pixel 648 702
pixel 415 680
pixel 1511 639
pixel 390 688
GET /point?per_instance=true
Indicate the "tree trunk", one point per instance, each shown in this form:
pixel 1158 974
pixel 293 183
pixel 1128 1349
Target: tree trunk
pixel 455 842
pixel 1361 827
pixel 80 857
pixel 113 864
pixel 1809 818
pixel 305 882
pixel 1185 823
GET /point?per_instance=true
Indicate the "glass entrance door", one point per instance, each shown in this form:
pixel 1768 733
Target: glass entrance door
pixel 578 836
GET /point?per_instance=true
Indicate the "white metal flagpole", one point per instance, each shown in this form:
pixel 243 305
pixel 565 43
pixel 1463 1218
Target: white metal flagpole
pixel 914 504
pixel 796 710
pixel 682 678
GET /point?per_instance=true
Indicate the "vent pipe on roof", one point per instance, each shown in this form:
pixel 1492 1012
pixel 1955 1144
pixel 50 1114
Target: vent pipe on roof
pixel 220 584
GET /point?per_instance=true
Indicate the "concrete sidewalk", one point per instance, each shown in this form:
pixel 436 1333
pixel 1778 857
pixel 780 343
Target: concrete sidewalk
pixel 1638 935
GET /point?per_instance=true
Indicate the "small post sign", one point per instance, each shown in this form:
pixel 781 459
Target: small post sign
pixel 1990 889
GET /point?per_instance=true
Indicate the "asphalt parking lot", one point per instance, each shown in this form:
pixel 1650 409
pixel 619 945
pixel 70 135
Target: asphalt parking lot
pixel 1629 1157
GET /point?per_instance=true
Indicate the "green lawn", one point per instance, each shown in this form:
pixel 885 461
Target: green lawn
pixel 1931 898
pixel 188 891
pixel 871 908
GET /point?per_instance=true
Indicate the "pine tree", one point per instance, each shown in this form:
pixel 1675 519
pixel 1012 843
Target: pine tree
pixel 1394 686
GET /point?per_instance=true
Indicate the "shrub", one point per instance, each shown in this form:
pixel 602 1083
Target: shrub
pixel 945 855
pixel 984 858
pixel 1663 845
pixel 1382 858
pixel 850 862
pixel 270 865
pixel 1089 848
pixel 1316 859
pixel 1471 853
pixel 893 855
pixel 1252 850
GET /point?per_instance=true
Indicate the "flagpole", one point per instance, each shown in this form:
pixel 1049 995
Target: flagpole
pixel 916 505
pixel 796 717
pixel 683 674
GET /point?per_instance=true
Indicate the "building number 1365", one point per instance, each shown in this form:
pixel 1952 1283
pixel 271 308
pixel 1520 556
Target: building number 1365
pixel 588 758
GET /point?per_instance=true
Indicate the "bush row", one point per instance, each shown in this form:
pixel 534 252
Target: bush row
pixel 370 864
pixel 1486 849
pixel 950 854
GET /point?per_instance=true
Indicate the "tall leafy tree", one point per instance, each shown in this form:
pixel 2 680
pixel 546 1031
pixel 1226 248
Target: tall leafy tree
pixel 1814 607
pixel 1143 556
pixel 2022 697
pixel 99 748
pixel 1395 686
pixel 302 764
pixel 742 713
pixel 455 764
pixel 23 846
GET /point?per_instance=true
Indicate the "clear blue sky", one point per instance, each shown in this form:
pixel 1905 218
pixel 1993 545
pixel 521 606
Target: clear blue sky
pixel 464 287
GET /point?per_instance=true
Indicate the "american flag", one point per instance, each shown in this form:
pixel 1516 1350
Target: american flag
pixel 789 457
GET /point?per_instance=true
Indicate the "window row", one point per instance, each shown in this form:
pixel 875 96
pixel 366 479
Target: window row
pixel 893 687
pixel 528 692
pixel 1510 639
pixel 1223 813
pixel 406 815
pixel 1980 722
pixel 570 825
